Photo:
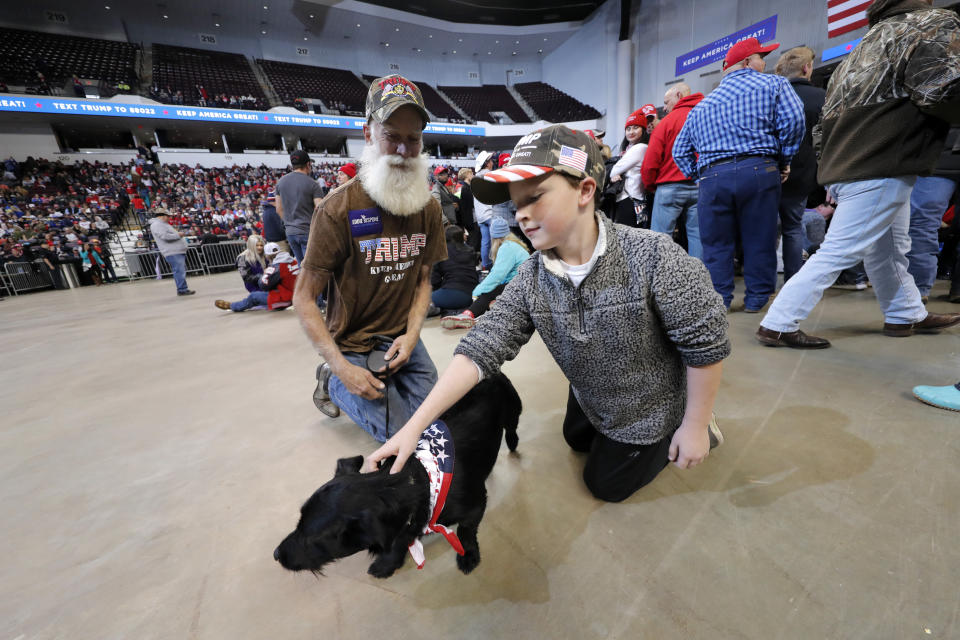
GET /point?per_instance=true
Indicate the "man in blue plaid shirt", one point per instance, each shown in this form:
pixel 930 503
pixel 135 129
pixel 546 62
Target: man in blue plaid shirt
pixel 745 134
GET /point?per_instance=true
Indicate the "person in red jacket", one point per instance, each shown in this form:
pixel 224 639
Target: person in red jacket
pixel 280 278
pixel 675 195
pixel 276 284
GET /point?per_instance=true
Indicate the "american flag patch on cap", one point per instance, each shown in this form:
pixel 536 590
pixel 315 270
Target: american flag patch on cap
pixel 571 157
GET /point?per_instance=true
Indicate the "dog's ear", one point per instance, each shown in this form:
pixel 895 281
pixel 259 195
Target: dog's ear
pixel 348 465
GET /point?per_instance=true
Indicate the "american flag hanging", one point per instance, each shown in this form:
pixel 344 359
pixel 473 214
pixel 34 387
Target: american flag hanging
pixel 846 15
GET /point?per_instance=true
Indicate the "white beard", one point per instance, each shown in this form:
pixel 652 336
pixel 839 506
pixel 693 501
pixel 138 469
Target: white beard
pixel 397 184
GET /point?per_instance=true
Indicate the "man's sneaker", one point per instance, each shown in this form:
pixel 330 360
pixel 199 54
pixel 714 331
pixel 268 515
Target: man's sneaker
pixel 222 304
pixel 849 286
pixel 321 395
pixel 188 292
pixel 463 320
pixel 716 438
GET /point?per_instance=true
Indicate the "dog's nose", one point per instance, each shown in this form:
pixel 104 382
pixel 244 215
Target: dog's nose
pixel 276 554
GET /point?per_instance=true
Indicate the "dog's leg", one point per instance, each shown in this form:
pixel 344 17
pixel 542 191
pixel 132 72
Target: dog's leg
pixel 390 560
pixel 467 532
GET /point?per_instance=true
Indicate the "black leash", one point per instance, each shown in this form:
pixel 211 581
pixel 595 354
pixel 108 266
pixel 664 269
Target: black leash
pixel 375 363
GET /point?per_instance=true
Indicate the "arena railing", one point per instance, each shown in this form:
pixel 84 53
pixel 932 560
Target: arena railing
pixel 150 264
pixel 222 255
pixel 25 276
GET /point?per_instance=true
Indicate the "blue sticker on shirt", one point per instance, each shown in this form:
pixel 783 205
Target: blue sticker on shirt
pixel 364 222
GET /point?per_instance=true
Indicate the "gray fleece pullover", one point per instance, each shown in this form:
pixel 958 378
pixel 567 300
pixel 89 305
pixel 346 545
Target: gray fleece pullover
pixel 623 337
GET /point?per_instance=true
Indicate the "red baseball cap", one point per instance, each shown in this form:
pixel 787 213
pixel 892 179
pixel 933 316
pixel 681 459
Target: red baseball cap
pixel 439 170
pixel 649 110
pixel 744 49
pixel 635 119
pixel 504 159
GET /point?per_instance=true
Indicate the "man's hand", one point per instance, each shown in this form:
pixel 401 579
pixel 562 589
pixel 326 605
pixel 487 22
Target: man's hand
pixel 689 446
pixel 403 347
pixel 784 173
pixel 358 381
pixel 615 178
pixel 402 444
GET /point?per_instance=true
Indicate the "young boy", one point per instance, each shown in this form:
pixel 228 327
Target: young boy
pixel 633 322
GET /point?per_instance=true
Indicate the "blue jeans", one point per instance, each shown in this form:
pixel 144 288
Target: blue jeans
pixel 485 244
pixel 791 230
pixel 672 200
pixel 178 264
pixel 452 299
pixel 871 224
pixel 929 201
pixel 741 198
pixel 298 245
pixel 406 391
pixel 255 299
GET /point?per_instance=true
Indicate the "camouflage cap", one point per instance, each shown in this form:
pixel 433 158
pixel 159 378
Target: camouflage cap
pixel 389 93
pixel 554 148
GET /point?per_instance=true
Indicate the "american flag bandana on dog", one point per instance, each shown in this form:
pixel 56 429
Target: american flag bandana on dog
pixel 435 453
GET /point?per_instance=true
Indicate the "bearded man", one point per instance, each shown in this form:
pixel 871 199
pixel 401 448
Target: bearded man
pixel 373 242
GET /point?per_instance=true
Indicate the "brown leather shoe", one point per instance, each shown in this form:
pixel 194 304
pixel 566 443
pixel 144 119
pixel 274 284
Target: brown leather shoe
pixel 795 339
pixel 933 323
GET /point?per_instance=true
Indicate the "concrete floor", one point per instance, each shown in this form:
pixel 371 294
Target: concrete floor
pixel 154 451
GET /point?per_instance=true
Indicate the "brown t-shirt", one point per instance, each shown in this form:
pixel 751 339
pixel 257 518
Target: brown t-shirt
pixel 372 260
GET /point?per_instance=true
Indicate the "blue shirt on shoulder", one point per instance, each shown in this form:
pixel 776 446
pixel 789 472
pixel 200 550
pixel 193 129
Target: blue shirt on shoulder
pixel 749 113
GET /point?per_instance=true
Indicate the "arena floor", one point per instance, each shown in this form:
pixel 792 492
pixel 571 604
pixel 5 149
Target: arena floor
pixel 155 450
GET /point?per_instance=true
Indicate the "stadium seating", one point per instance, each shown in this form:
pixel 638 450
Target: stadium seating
pixel 553 105
pixel 436 105
pixel 293 81
pixel 58 58
pixel 183 69
pixel 478 102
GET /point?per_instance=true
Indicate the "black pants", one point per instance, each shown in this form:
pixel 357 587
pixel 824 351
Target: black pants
pixel 614 471
pixel 482 304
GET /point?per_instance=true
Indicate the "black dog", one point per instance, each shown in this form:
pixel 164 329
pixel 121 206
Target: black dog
pixel 385 513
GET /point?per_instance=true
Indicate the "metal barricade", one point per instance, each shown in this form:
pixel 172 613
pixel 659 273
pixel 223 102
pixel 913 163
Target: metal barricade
pixel 26 276
pixel 222 256
pixel 150 264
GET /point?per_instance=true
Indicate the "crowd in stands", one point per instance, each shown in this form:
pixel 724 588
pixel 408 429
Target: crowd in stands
pixel 201 98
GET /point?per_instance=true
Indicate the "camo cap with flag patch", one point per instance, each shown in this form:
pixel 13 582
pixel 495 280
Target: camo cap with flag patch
pixel 555 148
pixel 389 93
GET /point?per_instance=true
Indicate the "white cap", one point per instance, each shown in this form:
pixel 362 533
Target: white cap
pixel 482 158
pixel 271 249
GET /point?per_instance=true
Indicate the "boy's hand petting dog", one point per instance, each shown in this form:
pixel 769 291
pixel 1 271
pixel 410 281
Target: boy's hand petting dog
pixel 359 381
pixel 402 445
pixel 689 446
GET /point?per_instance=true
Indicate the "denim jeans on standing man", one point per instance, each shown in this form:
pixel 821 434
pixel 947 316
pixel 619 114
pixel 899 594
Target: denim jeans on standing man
pixel 406 390
pixel 871 224
pixel 671 202
pixel 791 230
pixel 298 245
pixel 741 198
pixel 928 202
pixel 485 244
pixel 178 264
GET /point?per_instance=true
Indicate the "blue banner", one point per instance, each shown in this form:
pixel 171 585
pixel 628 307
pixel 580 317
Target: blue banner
pixel 764 31
pixel 839 50
pixel 35 104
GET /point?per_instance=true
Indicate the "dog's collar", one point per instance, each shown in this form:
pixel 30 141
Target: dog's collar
pixel 435 453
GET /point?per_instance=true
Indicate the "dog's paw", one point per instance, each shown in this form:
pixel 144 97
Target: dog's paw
pixel 469 560
pixel 381 569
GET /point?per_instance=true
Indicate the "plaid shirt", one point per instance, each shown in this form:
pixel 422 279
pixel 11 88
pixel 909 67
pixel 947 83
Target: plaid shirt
pixel 750 113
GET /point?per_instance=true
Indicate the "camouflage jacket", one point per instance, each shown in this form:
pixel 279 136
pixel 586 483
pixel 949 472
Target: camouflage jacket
pixel 889 103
